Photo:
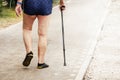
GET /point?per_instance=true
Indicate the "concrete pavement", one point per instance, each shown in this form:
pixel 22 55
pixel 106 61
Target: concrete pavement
pixel 106 62
pixel 82 19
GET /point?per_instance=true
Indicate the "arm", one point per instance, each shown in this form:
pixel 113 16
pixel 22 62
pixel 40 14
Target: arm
pixel 18 8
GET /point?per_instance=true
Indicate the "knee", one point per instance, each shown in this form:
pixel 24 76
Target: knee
pixel 41 34
pixel 27 27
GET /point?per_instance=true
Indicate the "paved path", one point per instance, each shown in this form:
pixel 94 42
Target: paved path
pixel 82 19
pixel 106 62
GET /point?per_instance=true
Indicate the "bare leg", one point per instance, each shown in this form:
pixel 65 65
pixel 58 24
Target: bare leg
pixel 27 31
pixel 43 22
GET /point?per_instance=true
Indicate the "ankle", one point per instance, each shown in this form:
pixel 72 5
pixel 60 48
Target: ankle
pixel 40 62
pixel 30 53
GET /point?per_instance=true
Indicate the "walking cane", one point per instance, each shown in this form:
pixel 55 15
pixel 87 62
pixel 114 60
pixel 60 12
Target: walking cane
pixel 61 9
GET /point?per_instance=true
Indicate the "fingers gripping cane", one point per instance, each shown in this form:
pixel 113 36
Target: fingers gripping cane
pixel 62 8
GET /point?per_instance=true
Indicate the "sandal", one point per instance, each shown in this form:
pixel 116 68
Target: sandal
pixel 28 59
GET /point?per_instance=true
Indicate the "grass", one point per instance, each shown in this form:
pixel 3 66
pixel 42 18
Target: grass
pixel 8 16
pixel 6 12
pixel 55 2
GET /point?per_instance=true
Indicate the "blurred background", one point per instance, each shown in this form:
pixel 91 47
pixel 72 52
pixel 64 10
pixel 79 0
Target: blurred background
pixel 7 13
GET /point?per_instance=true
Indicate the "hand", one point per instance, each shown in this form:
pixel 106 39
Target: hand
pixel 18 10
pixel 62 6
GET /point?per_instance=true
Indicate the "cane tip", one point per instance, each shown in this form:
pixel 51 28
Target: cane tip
pixel 65 64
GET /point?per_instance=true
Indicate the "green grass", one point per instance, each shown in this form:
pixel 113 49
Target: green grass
pixel 10 13
pixel 6 12
pixel 55 2
pixel 8 16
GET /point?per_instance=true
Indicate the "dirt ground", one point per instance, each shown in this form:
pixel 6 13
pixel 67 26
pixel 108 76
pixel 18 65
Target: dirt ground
pixel 5 22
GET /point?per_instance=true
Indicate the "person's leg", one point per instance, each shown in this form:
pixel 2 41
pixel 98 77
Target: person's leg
pixel 43 22
pixel 27 37
pixel 27 31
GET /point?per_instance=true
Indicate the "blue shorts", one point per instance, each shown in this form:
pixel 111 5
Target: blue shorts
pixel 37 7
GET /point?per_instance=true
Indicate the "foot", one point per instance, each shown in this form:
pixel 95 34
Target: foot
pixel 28 59
pixel 41 66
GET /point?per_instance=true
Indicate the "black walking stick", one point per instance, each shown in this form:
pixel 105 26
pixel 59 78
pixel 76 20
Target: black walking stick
pixel 62 8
